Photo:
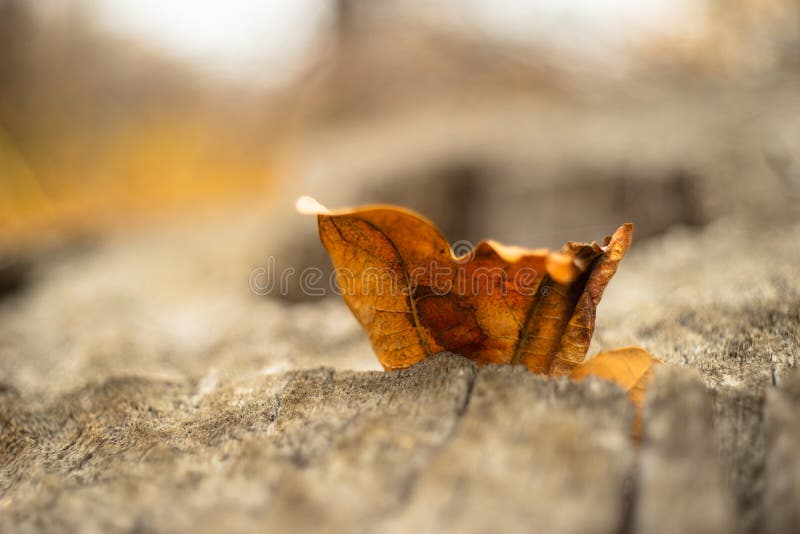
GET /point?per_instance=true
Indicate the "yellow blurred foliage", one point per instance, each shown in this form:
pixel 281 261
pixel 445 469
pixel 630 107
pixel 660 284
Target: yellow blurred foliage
pixel 163 165
pixel 95 131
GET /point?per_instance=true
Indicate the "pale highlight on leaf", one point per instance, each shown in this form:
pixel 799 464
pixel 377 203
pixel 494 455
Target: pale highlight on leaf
pixel 499 304
pixel 309 206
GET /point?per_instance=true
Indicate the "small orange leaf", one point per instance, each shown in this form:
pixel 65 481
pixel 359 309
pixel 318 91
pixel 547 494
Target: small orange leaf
pixel 496 304
pixel 630 367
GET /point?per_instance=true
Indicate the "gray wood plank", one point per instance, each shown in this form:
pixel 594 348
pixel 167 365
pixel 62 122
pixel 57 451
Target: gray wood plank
pixel 531 455
pixel 781 514
pixel 681 488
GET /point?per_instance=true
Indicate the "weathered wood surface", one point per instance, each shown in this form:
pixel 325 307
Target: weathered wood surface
pixel 681 486
pixel 144 388
pixel 781 503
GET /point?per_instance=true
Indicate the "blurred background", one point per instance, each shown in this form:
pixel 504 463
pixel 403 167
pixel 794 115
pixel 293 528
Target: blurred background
pixel 163 143
pixel 112 110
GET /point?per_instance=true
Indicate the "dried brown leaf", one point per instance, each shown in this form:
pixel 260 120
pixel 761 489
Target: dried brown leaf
pixel 497 304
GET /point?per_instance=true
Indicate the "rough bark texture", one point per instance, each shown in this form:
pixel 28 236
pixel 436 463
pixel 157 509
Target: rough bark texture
pixel 782 470
pixel 107 425
pixel 681 487
pixel 146 388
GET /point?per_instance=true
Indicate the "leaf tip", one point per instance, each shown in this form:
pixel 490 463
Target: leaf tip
pixel 307 205
pixel 625 233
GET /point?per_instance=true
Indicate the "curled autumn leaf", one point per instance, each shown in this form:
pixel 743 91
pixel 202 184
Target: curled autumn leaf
pixel 494 304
